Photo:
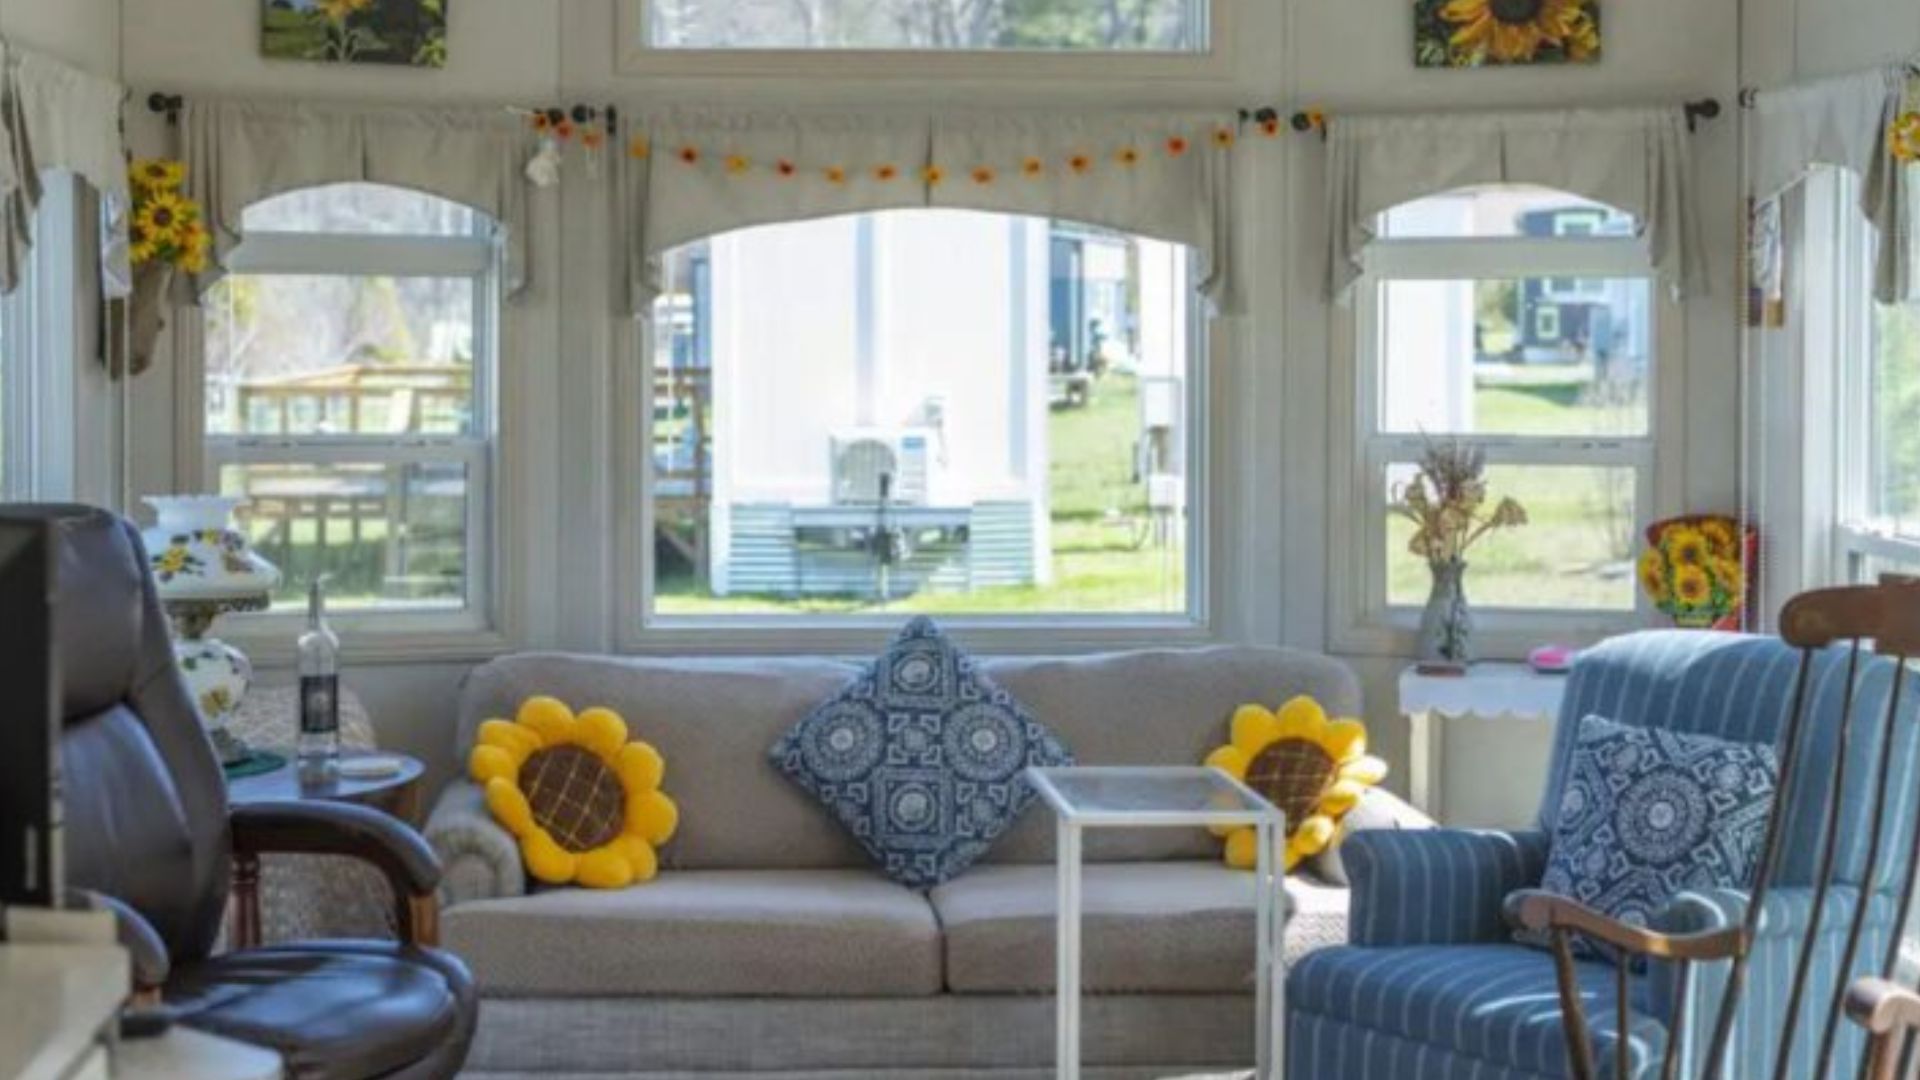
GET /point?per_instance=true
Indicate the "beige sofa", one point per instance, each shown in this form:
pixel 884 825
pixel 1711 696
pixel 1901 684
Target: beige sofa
pixel 769 946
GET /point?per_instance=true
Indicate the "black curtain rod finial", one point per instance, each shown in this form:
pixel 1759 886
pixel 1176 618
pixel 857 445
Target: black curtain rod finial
pixel 1704 109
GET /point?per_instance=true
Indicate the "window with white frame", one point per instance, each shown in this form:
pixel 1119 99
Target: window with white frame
pixel 350 363
pixel 1520 321
pixel 1877 428
pixel 929 25
pixel 962 413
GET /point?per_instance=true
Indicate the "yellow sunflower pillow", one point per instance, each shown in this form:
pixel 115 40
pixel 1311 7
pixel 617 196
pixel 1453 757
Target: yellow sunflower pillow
pixel 584 802
pixel 1313 768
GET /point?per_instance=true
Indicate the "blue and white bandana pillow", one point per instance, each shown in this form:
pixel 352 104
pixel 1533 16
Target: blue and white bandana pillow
pixel 920 757
pixel 1648 813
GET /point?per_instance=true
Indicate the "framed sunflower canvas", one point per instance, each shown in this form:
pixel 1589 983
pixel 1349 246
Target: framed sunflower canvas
pixel 410 33
pixel 1495 33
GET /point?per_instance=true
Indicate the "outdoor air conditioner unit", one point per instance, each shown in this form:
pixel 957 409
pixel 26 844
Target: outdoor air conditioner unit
pixel 863 455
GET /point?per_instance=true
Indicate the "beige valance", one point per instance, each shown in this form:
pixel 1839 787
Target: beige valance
pixel 1636 160
pixel 690 174
pixel 55 116
pixel 239 153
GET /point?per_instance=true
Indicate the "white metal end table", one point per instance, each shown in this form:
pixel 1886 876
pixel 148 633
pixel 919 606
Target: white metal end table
pixel 1175 796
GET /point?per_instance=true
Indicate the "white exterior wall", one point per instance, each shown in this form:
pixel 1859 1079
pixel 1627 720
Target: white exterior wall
pixel 824 326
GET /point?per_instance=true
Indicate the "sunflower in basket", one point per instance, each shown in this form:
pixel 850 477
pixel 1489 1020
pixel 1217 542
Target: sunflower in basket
pixel 1313 768
pixel 584 802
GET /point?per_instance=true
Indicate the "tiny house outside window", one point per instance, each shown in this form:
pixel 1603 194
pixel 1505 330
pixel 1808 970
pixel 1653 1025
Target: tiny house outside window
pixel 940 411
pixel 1520 321
pixel 348 396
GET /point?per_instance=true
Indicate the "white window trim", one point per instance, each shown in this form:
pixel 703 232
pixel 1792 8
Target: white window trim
pixel 43 335
pixel 485 624
pixel 1857 535
pixel 638 58
pixel 1361 622
pixel 1212 418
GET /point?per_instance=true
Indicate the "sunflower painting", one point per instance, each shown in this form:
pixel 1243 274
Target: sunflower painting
pixel 1486 33
pixel 406 32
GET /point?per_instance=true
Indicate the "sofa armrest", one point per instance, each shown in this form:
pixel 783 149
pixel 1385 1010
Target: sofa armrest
pixel 1437 886
pixel 1785 917
pixel 481 859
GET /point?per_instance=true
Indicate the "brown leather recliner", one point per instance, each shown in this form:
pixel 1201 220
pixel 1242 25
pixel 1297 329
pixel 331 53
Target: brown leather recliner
pixel 149 834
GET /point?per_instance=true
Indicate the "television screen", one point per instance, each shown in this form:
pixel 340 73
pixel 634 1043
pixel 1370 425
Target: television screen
pixel 29 747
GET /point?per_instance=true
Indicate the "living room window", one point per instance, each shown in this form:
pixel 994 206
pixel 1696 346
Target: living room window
pixel 348 397
pixel 954 412
pixel 1526 323
pixel 923 37
pixel 1877 418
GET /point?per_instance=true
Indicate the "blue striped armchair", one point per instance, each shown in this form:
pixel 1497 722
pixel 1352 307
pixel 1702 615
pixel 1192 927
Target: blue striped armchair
pixel 1432 986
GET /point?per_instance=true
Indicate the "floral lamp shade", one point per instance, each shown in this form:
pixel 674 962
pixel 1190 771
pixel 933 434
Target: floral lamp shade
pixel 198 556
pixel 203 567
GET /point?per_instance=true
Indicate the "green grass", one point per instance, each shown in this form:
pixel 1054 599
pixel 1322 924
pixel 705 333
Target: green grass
pixel 1576 550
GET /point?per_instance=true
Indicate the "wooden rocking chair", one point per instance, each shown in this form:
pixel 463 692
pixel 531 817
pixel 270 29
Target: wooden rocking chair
pixel 1882 621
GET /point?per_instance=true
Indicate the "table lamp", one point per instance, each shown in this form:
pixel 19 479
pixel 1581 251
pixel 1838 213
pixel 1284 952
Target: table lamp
pixel 203 568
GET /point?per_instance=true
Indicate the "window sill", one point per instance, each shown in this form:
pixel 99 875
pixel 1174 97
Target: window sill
pixel 862 635
pixel 269 641
pixel 1498 635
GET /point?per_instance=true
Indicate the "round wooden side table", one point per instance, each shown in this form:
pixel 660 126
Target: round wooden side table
pixel 309 897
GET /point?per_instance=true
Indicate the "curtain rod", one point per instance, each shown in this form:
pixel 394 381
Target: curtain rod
pixel 171 104
pixel 1703 109
pixel 1749 95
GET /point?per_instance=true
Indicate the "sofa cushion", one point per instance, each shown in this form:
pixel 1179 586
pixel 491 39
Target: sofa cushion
pixel 715 717
pixel 715 933
pixel 920 758
pixel 1167 927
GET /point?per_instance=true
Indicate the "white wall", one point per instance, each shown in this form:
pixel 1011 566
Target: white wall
pixel 1271 418
pixel 84 33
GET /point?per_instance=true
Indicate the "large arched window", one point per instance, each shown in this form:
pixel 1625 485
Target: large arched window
pixel 1523 322
pixel 349 367
pixel 937 411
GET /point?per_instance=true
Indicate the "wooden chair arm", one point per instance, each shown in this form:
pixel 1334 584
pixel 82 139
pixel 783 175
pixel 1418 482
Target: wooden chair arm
pixel 329 828
pixel 1544 912
pixel 1881 1006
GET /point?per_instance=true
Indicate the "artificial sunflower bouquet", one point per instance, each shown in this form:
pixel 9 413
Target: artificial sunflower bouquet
pixel 168 235
pixel 168 228
pixel 1692 570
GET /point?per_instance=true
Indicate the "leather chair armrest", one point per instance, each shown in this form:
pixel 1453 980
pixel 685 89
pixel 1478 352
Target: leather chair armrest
pixel 145 948
pixel 333 828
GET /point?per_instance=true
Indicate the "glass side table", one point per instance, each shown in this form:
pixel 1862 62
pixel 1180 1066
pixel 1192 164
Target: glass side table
pixel 1174 796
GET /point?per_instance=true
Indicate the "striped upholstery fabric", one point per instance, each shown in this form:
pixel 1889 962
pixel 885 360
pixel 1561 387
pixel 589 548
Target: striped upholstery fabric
pixel 1431 988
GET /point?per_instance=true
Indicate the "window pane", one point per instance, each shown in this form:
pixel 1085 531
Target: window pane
pixel 1061 25
pixel 1895 454
pixel 1575 552
pixel 1515 211
pixel 330 355
pixel 1516 356
pixel 362 209
pixel 390 534
pixel 922 410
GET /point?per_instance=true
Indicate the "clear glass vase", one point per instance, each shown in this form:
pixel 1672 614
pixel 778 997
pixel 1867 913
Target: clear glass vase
pixel 1446 626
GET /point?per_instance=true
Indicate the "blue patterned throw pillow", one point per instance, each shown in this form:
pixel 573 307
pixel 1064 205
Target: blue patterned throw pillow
pixel 920 757
pixel 1647 813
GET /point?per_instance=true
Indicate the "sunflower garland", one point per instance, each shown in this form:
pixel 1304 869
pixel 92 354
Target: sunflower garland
pixel 1692 570
pixel 1313 768
pixel 168 228
pixel 584 802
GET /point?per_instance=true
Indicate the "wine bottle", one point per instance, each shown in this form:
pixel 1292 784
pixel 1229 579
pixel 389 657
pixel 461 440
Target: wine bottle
pixel 319 747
